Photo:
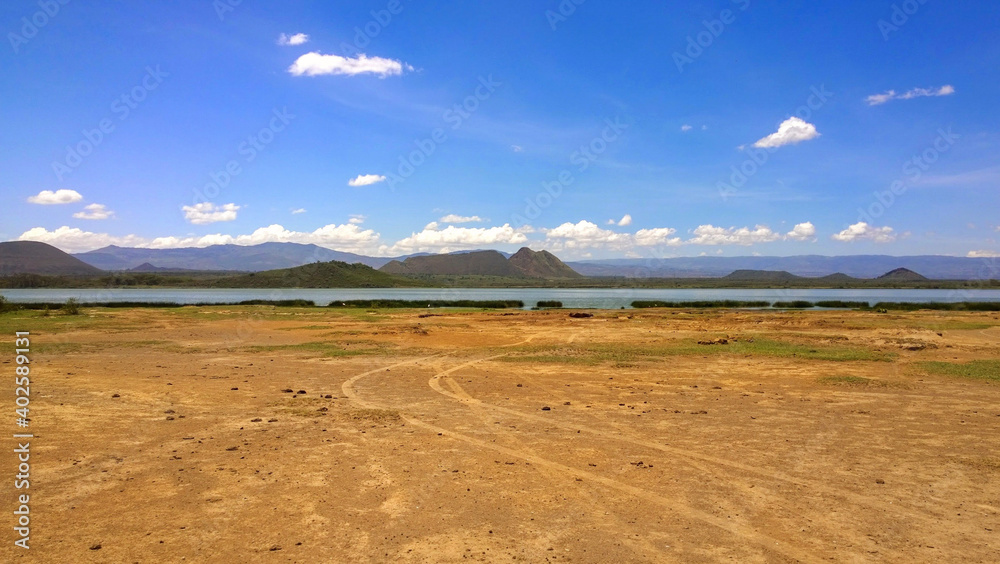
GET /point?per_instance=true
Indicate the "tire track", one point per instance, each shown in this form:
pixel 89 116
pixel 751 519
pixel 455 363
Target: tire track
pixel 766 543
pixel 858 499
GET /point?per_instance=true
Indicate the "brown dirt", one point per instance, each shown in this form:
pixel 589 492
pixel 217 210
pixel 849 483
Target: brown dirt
pixel 435 444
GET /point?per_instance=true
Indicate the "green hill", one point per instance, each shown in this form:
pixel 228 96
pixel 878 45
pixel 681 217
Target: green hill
pixel 477 263
pixel 772 276
pixel 333 274
pixel 524 264
pixel 902 275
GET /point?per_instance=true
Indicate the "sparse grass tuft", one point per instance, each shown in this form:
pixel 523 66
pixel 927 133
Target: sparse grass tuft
pixel 988 370
pixel 624 353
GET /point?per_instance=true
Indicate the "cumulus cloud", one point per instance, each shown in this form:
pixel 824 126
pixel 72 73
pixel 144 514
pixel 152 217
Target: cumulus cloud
pixel 298 211
pixel 294 39
pixel 357 219
pixel 94 211
pixel 802 232
pixel 348 237
pixel 983 254
pixel 712 235
pixel 686 127
pixel 624 221
pixel 453 218
pixel 48 197
pixel 657 236
pixel 207 212
pixel 584 235
pixel 791 131
pixel 73 239
pixel 366 180
pixel 433 238
pixel 315 64
pixel 862 231
pixel 879 99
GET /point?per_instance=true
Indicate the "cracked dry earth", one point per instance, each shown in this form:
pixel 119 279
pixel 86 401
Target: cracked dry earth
pixel 257 434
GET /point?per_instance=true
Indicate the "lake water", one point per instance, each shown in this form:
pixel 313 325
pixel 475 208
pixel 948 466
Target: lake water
pixel 600 298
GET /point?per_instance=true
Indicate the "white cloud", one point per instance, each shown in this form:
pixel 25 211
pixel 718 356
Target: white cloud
pixel 48 197
pixel 73 239
pixel 863 231
pixel 298 211
pixel 624 221
pixel 656 236
pixel 207 212
pixel 983 254
pixel 357 219
pixel 517 148
pixel 711 235
pixel 791 131
pixel 879 99
pixel 586 235
pixel 94 211
pixel 294 39
pixel 686 127
pixel 432 238
pixel 802 232
pixel 453 218
pixel 347 237
pixel 366 180
pixel 314 64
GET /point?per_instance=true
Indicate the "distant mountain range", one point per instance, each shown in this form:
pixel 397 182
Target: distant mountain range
pixel 523 264
pixel 249 258
pixel 857 266
pixel 40 258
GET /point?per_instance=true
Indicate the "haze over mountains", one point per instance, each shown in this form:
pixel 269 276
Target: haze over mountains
pixel 40 258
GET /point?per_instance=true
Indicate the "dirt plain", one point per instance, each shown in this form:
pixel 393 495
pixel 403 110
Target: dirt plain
pixel 260 434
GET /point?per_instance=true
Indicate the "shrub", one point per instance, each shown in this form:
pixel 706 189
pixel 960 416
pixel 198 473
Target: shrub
pixel 71 307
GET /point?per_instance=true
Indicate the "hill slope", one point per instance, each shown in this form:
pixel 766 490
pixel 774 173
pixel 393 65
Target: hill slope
pixel 541 264
pixel 333 274
pixel 32 257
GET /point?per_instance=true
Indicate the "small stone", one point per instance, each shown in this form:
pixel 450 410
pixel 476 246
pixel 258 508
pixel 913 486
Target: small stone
pixel 287 391
pixel 234 389
pixel 879 481
pixel 170 418
pixel 328 396
pixel 116 395
pixel 95 546
pixel 301 391
pixel 546 408
pixel 256 420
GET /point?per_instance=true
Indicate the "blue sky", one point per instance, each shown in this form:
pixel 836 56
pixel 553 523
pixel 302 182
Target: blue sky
pixel 589 128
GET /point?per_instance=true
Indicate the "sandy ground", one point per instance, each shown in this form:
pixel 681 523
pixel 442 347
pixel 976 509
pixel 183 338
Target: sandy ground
pixel 310 435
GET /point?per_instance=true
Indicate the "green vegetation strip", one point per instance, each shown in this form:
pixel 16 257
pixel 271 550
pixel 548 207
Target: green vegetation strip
pixel 544 303
pixel 699 304
pixel 977 369
pixel 623 353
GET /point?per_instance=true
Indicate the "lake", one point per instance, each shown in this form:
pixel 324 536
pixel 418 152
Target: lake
pixel 598 298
